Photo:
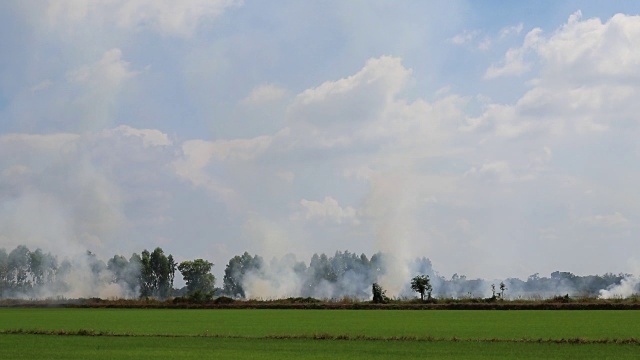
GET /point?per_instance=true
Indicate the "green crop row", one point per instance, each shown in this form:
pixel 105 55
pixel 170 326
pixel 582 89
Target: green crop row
pixel 87 347
pixel 467 324
pixel 309 334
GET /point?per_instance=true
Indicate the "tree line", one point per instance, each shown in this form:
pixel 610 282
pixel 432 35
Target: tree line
pixel 26 273
pixel 36 274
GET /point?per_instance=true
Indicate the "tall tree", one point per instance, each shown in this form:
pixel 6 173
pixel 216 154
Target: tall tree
pixel 19 268
pixel 197 275
pixel 147 280
pixel 503 287
pixel 117 265
pixel 133 274
pixel 4 272
pixel 157 274
pixel 126 272
pixel 235 271
pixel 42 267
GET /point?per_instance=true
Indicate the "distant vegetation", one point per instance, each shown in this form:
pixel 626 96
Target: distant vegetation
pixel 34 274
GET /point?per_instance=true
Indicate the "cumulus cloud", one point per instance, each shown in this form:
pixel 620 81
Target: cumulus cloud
pixel 335 112
pixel 514 62
pixel 582 85
pixel 363 111
pixel 595 51
pixel 579 51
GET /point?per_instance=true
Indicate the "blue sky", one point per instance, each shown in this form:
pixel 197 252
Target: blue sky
pixel 496 138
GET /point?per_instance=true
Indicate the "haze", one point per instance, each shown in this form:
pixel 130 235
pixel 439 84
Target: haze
pixel 497 139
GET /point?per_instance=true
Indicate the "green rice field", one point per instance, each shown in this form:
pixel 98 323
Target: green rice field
pixel 29 333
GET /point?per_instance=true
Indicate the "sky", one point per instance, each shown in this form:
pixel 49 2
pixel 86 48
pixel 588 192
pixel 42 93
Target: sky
pixel 499 139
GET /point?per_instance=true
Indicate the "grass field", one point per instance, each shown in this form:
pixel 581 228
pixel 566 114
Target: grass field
pixel 309 334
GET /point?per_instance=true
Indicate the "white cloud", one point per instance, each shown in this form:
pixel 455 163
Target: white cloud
pixel 584 83
pixel 110 71
pixel 507 31
pixel 234 150
pixel 264 94
pixel 354 99
pixel 179 18
pixel 580 50
pixel 362 110
pixel 199 156
pixel 93 90
pixel 514 60
pixel 328 210
pixel 536 167
pixel 589 50
pixel 150 137
pixel 465 37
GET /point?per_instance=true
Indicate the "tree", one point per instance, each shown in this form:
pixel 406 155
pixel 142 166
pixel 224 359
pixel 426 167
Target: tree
pixel 157 272
pixel 4 271
pixel 379 295
pixel 197 275
pixel 126 272
pixel 133 275
pixel 18 268
pixel 235 270
pixel 422 284
pixel 503 287
pixel 147 281
pixel 117 265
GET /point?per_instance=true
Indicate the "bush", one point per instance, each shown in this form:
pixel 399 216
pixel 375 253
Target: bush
pixel 196 297
pixel 223 300
pixel 379 295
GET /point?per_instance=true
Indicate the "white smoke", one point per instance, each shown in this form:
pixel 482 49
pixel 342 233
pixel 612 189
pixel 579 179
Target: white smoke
pixel 276 280
pixel 628 287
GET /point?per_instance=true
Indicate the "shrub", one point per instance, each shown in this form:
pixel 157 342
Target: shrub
pixel 223 300
pixel 379 295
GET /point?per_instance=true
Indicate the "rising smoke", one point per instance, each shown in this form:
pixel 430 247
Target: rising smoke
pixel 26 274
pixel 627 287
pixel 346 275
pixel 39 275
